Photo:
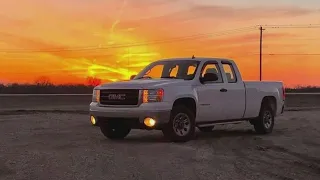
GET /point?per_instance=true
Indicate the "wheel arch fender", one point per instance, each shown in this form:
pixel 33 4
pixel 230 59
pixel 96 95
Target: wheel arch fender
pixel 187 100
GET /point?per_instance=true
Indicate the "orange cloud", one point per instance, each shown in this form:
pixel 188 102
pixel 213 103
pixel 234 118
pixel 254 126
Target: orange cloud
pixel 69 42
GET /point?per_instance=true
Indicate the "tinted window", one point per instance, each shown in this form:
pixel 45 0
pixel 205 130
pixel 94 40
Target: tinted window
pixel 174 71
pixel 228 69
pixel 156 71
pixel 179 69
pixel 212 68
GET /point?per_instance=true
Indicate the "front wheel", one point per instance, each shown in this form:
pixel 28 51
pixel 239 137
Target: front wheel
pixel 114 131
pixel 181 127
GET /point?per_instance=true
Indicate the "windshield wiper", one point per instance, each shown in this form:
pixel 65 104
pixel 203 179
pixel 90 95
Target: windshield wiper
pixel 170 77
pixel 145 77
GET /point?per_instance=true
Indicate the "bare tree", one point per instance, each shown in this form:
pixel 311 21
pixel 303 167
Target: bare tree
pixel 93 81
pixel 43 81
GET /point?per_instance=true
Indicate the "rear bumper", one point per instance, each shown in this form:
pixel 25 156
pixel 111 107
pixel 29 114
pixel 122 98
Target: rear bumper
pixel 158 111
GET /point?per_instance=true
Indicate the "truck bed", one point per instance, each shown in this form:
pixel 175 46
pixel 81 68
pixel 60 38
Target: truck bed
pixel 256 90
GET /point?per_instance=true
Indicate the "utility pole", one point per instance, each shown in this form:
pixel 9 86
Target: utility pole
pixel 261 30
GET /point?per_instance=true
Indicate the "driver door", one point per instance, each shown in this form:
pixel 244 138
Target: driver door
pixel 211 96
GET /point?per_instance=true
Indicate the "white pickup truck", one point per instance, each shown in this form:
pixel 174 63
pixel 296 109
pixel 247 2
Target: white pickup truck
pixel 177 95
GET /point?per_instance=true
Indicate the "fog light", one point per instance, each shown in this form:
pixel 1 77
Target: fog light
pixel 93 120
pixel 149 122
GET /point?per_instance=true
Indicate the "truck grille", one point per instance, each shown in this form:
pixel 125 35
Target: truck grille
pixel 119 96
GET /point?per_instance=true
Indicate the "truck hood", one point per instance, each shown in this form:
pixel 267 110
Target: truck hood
pixel 143 83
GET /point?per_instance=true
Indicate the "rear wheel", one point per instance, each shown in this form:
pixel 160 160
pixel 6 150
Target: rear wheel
pixel 181 127
pixel 206 129
pixel 114 130
pixel 265 122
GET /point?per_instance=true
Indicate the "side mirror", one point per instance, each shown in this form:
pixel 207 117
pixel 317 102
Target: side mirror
pixel 132 77
pixel 209 77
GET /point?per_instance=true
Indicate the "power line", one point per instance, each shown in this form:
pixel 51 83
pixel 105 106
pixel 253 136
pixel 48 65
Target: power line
pixel 292 26
pixel 288 54
pixel 169 40
pixel 280 27
pixel 285 54
pixel 261 28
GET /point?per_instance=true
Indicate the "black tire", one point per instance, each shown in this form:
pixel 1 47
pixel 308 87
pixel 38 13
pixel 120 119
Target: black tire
pixel 114 130
pixel 170 130
pixel 206 129
pixel 265 122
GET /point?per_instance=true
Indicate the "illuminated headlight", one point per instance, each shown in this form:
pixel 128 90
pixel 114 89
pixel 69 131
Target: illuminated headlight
pixel 152 95
pixel 96 95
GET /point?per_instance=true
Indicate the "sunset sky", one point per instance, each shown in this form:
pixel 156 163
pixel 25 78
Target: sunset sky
pixel 70 40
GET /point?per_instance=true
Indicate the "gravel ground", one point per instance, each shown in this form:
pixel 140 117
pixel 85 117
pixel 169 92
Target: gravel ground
pixel 64 146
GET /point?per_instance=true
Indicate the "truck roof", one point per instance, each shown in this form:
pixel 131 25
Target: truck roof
pixel 198 59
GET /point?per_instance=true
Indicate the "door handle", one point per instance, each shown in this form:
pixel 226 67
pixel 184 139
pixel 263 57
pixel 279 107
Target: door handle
pixel 223 90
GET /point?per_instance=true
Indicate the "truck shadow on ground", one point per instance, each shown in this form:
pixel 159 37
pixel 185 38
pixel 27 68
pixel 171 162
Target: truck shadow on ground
pixel 225 133
pixel 214 135
pixel 221 133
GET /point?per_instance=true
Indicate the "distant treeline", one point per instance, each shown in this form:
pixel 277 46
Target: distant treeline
pixel 45 89
pixel 304 89
pixel 87 89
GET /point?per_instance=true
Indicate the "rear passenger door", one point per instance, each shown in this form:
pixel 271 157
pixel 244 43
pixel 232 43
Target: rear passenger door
pixel 235 93
pixel 211 96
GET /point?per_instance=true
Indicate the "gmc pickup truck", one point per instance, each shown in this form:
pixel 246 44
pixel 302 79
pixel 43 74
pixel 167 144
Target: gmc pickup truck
pixel 179 95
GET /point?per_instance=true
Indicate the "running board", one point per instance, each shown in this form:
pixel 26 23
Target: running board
pixel 219 123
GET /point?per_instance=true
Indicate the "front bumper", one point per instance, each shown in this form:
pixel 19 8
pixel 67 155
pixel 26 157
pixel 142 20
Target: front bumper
pixel 158 111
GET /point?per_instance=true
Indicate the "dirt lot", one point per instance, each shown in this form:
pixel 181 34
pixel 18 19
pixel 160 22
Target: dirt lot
pixel 65 146
pixel 40 140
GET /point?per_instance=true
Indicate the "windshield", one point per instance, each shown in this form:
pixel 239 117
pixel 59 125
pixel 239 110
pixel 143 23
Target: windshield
pixel 174 69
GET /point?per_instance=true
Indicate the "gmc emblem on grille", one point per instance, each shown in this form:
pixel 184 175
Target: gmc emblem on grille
pixel 117 96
